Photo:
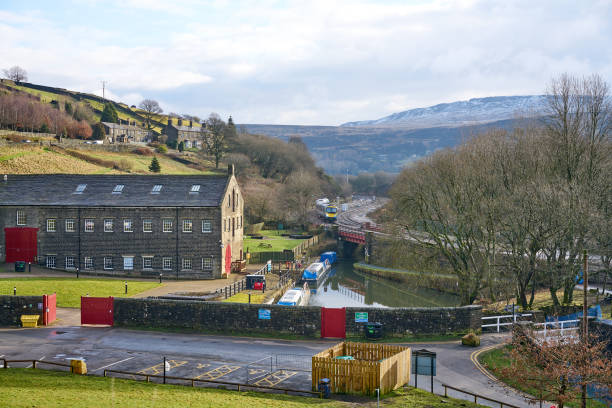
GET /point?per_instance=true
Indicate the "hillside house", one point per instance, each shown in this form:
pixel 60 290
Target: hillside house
pixel 126 225
pixel 125 132
pixel 191 136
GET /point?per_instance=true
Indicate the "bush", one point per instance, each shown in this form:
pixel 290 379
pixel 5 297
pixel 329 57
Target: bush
pixel 143 151
pixel 171 144
pixel 471 340
pixel 123 165
pixel 162 149
pixel 154 166
pixel 181 146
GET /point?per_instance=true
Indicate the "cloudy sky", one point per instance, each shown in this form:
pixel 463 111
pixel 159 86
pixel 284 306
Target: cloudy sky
pixel 305 62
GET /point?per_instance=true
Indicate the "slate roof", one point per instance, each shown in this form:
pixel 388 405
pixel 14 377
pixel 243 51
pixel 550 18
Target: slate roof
pixel 187 128
pixel 122 126
pixel 59 190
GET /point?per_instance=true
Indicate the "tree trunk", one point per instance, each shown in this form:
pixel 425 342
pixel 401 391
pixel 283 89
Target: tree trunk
pixel 553 295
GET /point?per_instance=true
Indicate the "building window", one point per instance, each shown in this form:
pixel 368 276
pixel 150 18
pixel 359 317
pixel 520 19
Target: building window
pixel 229 201
pixel 206 226
pixel 195 189
pixel 21 217
pixel 51 225
pixel 89 225
pixel 108 262
pixel 224 225
pixel 70 262
pixel 147 225
pixel 88 262
pixel 127 225
pixel 167 225
pixel 186 264
pixel 206 263
pixel 70 226
pixel 147 262
pixel 128 263
pixel 80 188
pixel 51 261
pixel 118 189
pixel 187 226
pixel 156 189
pixel 108 225
pixel 167 264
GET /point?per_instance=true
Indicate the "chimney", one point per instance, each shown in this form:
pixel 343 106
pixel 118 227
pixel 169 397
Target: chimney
pixel 180 122
pixel 230 169
pixel 169 121
pixel 191 123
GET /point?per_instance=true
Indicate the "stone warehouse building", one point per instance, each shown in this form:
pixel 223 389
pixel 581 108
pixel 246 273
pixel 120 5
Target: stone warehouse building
pixel 181 226
pixel 125 132
pixel 191 136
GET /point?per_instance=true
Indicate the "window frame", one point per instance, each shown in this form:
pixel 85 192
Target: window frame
pixel 71 221
pixel 47 263
pixel 22 218
pixel 126 222
pixel 187 222
pixel 209 230
pixel 66 262
pixel 118 189
pixel 90 264
pixel 167 260
pixel 185 261
pixel 88 222
pixel 150 224
pixel 144 266
pixel 54 222
pixel 126 267
pixel 107 222
pixel 166 221
pixel 208 260
pixel 107 260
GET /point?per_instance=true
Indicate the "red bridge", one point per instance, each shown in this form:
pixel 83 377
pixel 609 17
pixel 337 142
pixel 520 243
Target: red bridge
pixel 352 235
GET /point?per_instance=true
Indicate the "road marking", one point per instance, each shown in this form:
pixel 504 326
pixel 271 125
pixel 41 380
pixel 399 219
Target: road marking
pixel 159 368
pixel 480 367
pixel 112 364
pixel 205 365
pixel 218 372
pixel 42 358
pixel 275 378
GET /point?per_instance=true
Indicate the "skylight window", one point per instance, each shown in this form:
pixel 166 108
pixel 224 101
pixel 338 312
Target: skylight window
pixel 80 188
pixel 118 189
pixel 195 188
pixel 156 189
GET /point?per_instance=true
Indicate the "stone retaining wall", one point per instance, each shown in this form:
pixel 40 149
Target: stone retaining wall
pixel 12 307
pixel 303 321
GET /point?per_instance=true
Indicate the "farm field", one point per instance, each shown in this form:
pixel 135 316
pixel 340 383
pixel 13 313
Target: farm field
pixel 140 164
pixel 273 241
pixel 36 388
pixel 33 159
pixel 70 290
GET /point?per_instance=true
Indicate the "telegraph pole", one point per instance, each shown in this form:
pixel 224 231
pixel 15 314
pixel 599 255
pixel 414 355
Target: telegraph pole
pixel 585 292
pixel 103 89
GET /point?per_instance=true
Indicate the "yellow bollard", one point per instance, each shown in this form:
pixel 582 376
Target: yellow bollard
pixel 78 367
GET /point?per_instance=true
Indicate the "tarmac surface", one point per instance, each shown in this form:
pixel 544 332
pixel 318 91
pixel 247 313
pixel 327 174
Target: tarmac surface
pixel 264 362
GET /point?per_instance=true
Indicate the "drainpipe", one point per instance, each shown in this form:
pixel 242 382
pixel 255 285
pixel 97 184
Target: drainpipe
pixel 79 235
pixel 177 243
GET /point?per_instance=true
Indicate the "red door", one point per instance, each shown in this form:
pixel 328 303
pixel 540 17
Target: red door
pixel 333 322
pixel 97 310
pixel 20 244
pixel 49 308
pixel 228 259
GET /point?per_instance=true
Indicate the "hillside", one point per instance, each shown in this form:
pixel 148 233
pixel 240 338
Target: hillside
pixel 48 94
pixel 461 113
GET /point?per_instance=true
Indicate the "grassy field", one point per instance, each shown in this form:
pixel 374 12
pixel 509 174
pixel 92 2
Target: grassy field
pixel 542 298
pixel 37 388
pixel 272 242
pixel 243 297
pixel 33 159
pixel 140 164
pixel 497 359
pixel 70 290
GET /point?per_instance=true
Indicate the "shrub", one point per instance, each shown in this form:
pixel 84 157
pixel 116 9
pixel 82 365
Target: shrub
pixel 181 146
pixel 471 340
pixel 143 151
pixel 162 149
pixel 123 165
pixel 154 166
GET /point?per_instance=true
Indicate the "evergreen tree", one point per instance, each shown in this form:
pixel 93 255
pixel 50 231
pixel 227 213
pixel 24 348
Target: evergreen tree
pixel 109 114
pixel 155 166
pixel 98 132
pixel 181 146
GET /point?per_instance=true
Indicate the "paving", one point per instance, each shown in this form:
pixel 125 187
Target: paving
pixel 264 362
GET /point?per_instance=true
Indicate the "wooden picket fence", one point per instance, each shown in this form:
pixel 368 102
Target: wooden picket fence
pixel 381 366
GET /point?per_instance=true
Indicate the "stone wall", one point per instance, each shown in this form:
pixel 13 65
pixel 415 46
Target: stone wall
pixel 408 321
pixel 12 307
pixel 217 316
pixel 303 321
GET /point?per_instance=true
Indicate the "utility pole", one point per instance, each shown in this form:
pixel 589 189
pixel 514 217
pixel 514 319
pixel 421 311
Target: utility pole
pixel 103 89
pixel 585 319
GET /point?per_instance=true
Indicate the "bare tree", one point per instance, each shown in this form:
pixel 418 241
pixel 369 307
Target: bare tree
pixel 151 107
pixel 214 137
pixel 298 195
pixel 16 74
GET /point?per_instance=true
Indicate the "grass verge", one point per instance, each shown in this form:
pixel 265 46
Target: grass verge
pixel 273 242
pixel 243 297
pixel 37 388
pixel 70 290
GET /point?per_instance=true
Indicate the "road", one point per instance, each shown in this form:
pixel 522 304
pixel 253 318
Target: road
pixel 282 363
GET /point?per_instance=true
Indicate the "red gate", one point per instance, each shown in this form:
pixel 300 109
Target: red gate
pixel 333 322
pixel 97 310
pixel 49 308
pixel 228 259
pixel 20 244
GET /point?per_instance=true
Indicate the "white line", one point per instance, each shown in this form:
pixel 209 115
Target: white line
pixel 112 364
pixel 42 358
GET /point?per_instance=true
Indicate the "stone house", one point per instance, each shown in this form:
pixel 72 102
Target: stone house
pixel 191 136
pixel 181 226
pixel 126 132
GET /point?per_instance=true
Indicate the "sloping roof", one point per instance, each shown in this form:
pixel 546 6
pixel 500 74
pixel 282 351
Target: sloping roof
pixel 59 190
pixel 187 128
pixel 122 126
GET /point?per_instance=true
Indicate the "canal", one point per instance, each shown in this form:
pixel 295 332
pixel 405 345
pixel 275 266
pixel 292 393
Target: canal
pixel 346 287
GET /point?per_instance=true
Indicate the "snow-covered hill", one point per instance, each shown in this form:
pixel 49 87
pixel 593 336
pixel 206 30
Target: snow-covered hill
pixel 474 111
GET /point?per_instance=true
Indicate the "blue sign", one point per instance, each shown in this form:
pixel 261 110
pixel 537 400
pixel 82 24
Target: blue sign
pixel 264 314
pixel 424 365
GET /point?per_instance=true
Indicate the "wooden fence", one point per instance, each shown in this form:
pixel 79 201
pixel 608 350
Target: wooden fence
pixel 381 366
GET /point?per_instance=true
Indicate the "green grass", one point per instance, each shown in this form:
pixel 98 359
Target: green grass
pixel 23 388
pixel 243 297
pixel 497 359
pixel 274 242
pixel 70 290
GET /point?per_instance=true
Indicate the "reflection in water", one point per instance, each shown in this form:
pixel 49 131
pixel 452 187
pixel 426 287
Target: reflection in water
pixel 346 287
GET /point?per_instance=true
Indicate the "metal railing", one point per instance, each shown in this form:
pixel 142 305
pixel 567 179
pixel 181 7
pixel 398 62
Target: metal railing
pixel 477 396
pixel 558 330
pixel 498 324
pixel 5 363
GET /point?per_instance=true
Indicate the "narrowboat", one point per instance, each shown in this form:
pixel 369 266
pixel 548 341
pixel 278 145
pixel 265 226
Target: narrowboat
pixel 296 296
